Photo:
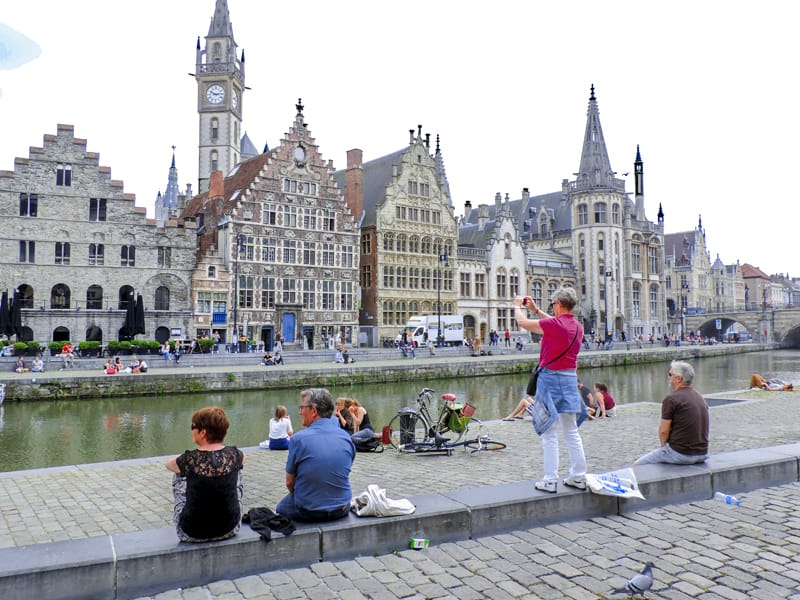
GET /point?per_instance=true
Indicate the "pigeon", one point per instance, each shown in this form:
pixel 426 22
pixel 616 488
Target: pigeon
pixel 638 584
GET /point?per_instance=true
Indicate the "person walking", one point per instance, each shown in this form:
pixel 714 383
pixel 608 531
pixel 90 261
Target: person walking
pixel 557 394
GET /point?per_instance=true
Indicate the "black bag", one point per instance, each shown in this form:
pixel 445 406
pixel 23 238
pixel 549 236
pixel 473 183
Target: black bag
pixel 370 445
pixel 531 389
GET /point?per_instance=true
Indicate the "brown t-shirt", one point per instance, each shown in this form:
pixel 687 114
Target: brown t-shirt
pixel 688 412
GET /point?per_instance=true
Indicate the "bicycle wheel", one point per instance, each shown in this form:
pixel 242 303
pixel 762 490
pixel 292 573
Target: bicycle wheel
pixel 481 445
pixel 407 427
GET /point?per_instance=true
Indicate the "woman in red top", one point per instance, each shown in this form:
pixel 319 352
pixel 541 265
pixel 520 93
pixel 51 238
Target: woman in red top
pixel 606 407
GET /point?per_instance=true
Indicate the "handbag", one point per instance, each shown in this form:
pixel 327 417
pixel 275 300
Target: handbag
pixel 534 378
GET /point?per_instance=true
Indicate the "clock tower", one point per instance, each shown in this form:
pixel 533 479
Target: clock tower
pixel 220 85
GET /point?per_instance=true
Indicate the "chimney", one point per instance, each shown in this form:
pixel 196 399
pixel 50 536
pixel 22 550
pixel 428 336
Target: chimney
pixel 354 183
pixel 526 194
pixel 467 209
pixel 483 215
pixel 216 188
pixel 497 199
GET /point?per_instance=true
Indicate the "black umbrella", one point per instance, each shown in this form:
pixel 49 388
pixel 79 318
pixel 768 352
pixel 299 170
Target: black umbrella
pixel 15 317
pixel 139 315
pixel 5 316
pixel 130 317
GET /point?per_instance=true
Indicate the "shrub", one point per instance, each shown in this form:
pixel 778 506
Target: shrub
pixel 113 346
pixel 55 347
pixel 20 347
pixel 89 346
pixel 205 344
pixel 125 345
pixel 33 346
pixel 154 345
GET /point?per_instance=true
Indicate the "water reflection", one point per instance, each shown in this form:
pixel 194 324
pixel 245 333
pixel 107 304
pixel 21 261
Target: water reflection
pixel 39 434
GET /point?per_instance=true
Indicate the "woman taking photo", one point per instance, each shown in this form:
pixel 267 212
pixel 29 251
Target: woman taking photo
pixel 207 484
pixel 557 396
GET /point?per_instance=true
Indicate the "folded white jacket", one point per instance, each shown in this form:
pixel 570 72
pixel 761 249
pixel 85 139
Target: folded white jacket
pixel 373 502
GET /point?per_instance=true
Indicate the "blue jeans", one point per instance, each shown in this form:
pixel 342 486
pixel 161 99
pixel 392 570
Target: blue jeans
pixel 665 454
pixel 287 508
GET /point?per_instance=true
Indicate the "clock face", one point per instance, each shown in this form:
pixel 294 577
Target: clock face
pixel 215 94
pixel 234 99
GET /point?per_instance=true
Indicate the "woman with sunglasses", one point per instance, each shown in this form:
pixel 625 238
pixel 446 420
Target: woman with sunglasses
pixel 207 484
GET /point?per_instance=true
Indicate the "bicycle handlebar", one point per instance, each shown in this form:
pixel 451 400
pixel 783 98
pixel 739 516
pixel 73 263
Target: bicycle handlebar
pixel 426 391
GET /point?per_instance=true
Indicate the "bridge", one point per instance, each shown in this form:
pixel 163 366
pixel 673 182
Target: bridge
pixel 770 325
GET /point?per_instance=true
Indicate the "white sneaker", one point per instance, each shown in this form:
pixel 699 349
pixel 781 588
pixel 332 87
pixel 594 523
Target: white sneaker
pixel 264 445
pixel 546 486
pixel 579 484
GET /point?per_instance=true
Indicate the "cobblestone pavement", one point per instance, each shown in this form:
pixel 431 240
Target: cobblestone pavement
pixel 705 550
pixel 81 501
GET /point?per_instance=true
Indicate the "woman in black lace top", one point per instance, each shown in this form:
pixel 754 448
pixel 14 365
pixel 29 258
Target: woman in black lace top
pixel 207 484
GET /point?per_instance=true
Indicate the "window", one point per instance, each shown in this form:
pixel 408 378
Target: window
pixel 248 248
pixel 27 251
pixel 652 260
pixel 62 253
pixel 64 175
pixel 615 214
pixel 388 242
pixel 328 219
pixel 269 214
pixel 583 214
pixel 637 299
pixel 413 279
pixel 388 276
pixel 293 186
pixel 289 291
pixel 310 219
pixel 328 256
pixel 465 288
pixel 164 257
pixel 327 295
pixel 214 129
pixel 600 243
pixel 94 297
pixel 203 302
pixel 600 212
pixel 502 319
pixel 513 284
pixel 59 296
pixel 127 256
pixel 426 245
pixel 245 291
pixel 502 292
pixel 289 251
pixel 347 256
pixel 402 243
pixel 653 301
pixel 309 293
pixel 96 254
pixel 366 276
pixel 366 244
pixel 28 205
pixel 413 187
pixel 480 285
pixel 268 292
pixel 269 248
pixel 214 161
pixel 536 293
pixel 25 296
pixel 162 298
pixel 212 272
pixel 346 295
pixel 309 253
pixel 413 244
pixel 97 209
pixel 636 258
pixel 290 216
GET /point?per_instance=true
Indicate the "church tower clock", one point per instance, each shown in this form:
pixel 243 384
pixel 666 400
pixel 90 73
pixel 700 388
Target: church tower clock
pixel 220 85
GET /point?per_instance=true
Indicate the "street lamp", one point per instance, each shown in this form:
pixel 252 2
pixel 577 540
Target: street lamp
pixel 684 296
pixel 439 335
pixel 607 276
pixel 240 237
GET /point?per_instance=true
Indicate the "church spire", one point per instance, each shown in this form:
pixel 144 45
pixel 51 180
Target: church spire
pixel 595 170
pixel 221 21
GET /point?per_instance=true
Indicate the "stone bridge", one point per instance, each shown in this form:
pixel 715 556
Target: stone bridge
pixel 771 325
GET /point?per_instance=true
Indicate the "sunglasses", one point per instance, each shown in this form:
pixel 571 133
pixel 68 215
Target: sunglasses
pixel 302 406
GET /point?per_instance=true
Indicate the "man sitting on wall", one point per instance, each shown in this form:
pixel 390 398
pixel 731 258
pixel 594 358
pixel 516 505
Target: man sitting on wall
pixel 67 355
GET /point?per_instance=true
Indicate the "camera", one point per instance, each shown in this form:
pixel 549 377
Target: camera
pixel 527 301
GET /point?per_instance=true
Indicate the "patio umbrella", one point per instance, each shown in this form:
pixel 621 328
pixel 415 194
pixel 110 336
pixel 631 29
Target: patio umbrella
pixel 130 317
pixel 15 317
pixel 5 316
pixel 139 315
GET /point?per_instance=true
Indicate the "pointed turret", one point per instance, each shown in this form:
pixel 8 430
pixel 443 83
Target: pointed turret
pixel 638 169
pixel 595 170
pixel 167 204
pixel 221 21
pixel 441 176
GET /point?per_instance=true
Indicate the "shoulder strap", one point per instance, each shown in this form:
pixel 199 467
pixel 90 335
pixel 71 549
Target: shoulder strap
pixel 563 353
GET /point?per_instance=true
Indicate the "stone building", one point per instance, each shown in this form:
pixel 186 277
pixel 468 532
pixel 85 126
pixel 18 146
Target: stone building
pixel 277 249
pixel 728 287
pixel 591 235
pixel 77 248
pixel 408 235
pixel 688 274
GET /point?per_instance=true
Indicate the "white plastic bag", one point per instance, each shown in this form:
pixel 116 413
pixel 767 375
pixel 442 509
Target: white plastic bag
pixel 621 483
pixel 373 502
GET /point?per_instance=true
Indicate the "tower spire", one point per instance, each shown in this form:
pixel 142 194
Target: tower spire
pixel 221 21
pixel 595 170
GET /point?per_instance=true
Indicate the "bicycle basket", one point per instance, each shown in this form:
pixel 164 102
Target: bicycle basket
pixel 460 417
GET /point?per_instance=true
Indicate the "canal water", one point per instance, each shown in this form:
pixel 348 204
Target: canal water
pixel 45 434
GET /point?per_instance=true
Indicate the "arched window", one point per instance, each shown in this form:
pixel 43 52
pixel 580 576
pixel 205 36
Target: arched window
pixel 583 214
pixel 212 272
pixel 214 161
pixel 600 212
pixel 94 334
pixel 653 301
pixel 60 296
pixel 94 298
pixel 536 293
pixel 25 297
pixel 127 256
pixel 388 241
pixel 125 294
pixel 637 299
pixel 615 214
pixel 214 129
pixel 61 334
pixel 162 298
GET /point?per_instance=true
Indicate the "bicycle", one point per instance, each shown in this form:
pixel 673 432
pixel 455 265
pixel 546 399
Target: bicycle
pixel 415 430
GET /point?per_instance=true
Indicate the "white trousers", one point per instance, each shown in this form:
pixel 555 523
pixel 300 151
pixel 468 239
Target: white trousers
pixel 572 439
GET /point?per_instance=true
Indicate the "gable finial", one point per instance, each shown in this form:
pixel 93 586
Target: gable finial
pixel 591 96
pixel 299 106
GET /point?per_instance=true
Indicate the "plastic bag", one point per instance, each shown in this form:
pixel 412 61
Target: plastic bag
pixel 621 483
pixel 373 502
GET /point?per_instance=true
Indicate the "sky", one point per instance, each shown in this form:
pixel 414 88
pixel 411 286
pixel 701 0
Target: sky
pixel 708 90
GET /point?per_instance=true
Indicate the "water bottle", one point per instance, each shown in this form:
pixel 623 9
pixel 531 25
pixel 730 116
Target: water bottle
pixel 727 498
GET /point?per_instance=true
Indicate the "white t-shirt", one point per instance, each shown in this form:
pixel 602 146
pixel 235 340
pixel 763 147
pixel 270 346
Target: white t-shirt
pixel 280 428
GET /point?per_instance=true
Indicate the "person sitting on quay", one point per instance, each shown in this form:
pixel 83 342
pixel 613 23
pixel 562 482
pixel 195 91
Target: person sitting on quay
pixel 277 359
pixel 267 360
pixel 773 385
pixel 588 399
pixel 37 366
pixel 67 355
pixel 605 405
pixel 362 429
pixel 20 366
pixel 141 367
pixel 319 463
pixel 519 410
pixel 339 356
pixel 109 367
pixel 683 431
pixel 165 350
pixel 118 364
pixel 207 482
pixel 280 430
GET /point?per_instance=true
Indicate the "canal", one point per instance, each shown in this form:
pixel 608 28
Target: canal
pixel 46 434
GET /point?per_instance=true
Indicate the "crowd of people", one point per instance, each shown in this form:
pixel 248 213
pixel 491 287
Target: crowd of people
pixel 114 366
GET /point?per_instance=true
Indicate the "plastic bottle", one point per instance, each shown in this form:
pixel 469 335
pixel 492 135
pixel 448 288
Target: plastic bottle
pixel 726 498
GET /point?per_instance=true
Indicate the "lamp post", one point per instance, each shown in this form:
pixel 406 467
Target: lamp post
pixel 239 243
pixel 439 336
pixel 684 296
pixel 607 276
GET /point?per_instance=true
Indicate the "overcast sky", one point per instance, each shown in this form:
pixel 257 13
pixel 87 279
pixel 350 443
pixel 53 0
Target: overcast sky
pixel 709 90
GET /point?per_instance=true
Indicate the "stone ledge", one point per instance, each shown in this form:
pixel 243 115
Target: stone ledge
pixel 128 565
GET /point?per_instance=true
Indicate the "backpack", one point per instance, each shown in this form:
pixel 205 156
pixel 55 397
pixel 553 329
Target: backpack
pixel 370 445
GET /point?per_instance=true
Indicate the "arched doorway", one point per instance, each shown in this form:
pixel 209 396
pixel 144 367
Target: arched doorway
pixel 469 327
pixel 61 334
pixel 94 334
pixel 162 334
